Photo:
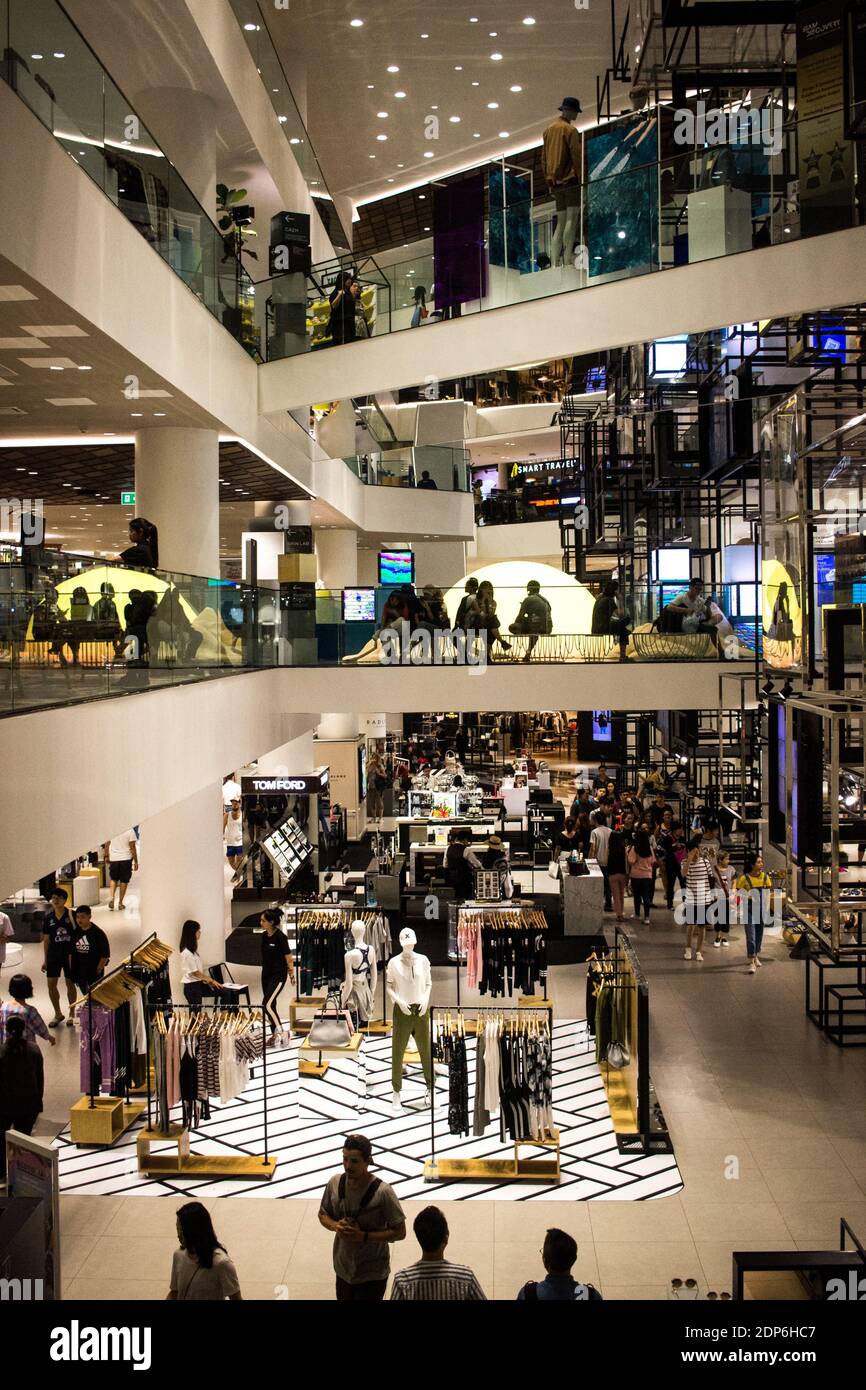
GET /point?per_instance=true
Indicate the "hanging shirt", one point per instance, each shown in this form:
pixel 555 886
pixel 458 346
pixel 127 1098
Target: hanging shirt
pixel 409 978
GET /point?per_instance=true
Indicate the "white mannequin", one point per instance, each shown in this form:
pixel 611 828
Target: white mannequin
pixel 359 987
pixel 408 985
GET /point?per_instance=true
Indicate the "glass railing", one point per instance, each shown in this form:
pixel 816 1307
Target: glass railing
pixel 382 625
pixel 75 628
pixel 50 66
pixel 446 467
pixel 647 204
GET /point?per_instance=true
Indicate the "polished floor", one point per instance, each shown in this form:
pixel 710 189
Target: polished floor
pixel 766 1115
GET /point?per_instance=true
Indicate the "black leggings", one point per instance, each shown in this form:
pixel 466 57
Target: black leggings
pixel 642 891
pixel 272 988
pixel 197 992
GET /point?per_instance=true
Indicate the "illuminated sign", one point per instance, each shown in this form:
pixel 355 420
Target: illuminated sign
pixel 306 784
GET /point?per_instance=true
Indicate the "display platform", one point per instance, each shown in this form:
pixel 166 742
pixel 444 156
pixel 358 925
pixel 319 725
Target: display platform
pixel 307 1144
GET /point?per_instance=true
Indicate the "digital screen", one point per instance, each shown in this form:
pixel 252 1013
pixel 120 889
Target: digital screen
pixel 602 725
pixel 595 379
pixel 669 356
pixel 396 567
pixel 831 342
pixel 673 563
pixel 359 605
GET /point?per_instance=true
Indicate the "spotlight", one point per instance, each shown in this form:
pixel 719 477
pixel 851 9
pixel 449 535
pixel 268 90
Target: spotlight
pixel 787 689
pixel 767 688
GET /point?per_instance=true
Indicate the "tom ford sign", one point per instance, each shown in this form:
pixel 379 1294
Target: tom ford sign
pixel 305 784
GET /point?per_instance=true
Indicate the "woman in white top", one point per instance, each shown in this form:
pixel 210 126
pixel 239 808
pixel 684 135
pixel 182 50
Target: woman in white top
pixel 196 982
pixel 201 1268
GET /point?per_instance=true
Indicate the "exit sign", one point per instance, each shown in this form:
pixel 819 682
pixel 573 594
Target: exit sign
pixel 127 499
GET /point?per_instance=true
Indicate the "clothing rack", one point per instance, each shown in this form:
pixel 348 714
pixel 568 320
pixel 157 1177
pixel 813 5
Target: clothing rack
pixel 495 1169
pixel 637 1117
pixel 96 1119
pixel 516 915
pixel 324 917
pixel 212 1017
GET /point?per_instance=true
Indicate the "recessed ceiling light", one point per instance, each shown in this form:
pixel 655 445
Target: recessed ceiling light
pixel 356 23
pixel 399 95
pixel 390 180
pixel 494 34
pixel 136 412
pixel 473 20
pixel 370 87
pixel 401 166
pixel 251 28
pixel 392 67
pixel 85 369
pixel 516 88
pixel 422 196
pixel 476 84
pixel 371 156
pixel 60 55
pixel 434 108
pixel 383 115
pixel 493 106
pixel 381 137
pixel 159 412
pixel 496 57
pixel 425 36
pixel 458 69
pixel 476 135
pixel 455 120
pixel 37 56
pixel 426 229
pixel 503 134
pixel 294 140
pixel 282 119
pixel 428 154
pixel 621 236
pixel 529 21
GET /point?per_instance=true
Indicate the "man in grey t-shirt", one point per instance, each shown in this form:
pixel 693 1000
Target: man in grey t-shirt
pixel 365 1217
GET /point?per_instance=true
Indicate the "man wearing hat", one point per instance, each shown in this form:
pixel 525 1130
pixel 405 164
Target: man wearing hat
pixel 562 169
pixel 494 858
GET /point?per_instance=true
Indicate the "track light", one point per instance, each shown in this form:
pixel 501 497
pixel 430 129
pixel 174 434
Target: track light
pixel 787 689
pixel 767 688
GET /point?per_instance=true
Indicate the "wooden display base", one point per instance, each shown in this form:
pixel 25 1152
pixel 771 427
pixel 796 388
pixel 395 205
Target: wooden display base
pixel 513 1169
pixel 312 1068
pixel 103 1122
pixel 377 1026
pixel 527 1001
pixel 186 1164
pixel 309 1001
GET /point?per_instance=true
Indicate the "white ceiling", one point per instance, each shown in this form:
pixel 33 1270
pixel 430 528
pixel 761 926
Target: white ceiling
pixel 348 82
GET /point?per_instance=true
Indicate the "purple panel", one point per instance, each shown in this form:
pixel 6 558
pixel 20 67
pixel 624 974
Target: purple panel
pixel 458 243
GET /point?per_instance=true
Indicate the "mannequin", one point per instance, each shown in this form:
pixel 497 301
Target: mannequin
pixel 562 169
pixel 408 983
pixel 359 986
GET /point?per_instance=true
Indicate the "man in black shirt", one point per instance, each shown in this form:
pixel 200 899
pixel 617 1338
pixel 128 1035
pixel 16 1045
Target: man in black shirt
pixel 90 950
pixel 657 808
pixel 426 481
pixel 58 930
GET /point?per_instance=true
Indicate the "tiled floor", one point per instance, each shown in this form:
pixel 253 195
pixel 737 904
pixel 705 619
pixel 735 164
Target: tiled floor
pixel 767 1118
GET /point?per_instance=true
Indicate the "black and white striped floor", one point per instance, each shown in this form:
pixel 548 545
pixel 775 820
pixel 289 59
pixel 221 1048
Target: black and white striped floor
pixel 306 1127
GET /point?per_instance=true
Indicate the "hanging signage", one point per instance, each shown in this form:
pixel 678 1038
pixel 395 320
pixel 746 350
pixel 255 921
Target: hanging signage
pixel 304 784
pixel 826 157
pixel 127 499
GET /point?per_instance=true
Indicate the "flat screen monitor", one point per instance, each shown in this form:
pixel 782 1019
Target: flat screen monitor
pixel 396 567
pixel 359 605
pixel 602 725
pixel 673 564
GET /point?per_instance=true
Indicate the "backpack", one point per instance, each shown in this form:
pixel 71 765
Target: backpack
pixel 582 1293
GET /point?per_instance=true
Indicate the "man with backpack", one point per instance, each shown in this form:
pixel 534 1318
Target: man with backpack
pixel 559 1254
pixel 365 1217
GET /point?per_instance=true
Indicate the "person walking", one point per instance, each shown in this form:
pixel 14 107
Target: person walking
pixel 365 1217
pixel 377 781
pixel 617 871
pixel 754 886
pixel 20 990
pixel 725 875
pixel 433 1279
pixel 201 1269
pixel 278 965
pixel 121 855
pixel 197 983
pixel 598 845
pixel 233 832
pixel 700 884
pixel 90 950
pixel 21 1084
pixel 670 845
pixel 58 930
pixel 420 311
pixel 341 323
pixel 642 865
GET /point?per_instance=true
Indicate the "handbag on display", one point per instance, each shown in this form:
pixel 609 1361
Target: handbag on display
pixel 617 1056
pixel 331 1026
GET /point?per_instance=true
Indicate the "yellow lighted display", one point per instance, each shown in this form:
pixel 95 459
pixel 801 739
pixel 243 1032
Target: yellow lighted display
pixel 773 575
pixel 570 601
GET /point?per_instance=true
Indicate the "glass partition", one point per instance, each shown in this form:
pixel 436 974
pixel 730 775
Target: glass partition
pixel 50 66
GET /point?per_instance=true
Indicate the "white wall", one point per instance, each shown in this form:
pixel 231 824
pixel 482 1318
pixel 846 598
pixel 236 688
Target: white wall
pixel 85 771
pixel 813 274
pixel 531 540
pixel 393 511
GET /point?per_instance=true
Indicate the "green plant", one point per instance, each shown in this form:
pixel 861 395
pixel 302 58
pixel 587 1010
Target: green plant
pixel 234 237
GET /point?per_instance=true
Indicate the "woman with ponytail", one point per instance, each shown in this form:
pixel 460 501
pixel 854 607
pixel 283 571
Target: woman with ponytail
pixel 143 554
pixel 21 1084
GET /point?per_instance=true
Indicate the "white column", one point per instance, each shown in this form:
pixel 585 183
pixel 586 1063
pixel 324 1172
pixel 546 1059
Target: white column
pixel 183 875
pixel 177 488
pixel 337 558
pixel 183 121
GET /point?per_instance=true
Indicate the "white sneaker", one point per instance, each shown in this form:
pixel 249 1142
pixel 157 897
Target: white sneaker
pixel 753 968
pixel 725 941
pixel 396 1103
pixel 687 955
pixel 717 942
pixel 698 955
pixel 758 961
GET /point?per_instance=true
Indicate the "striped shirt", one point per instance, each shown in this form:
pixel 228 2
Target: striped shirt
pixel 437 1281
pixel 34 1024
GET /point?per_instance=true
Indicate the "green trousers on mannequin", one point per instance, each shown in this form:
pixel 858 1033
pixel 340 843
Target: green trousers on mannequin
pixel 415 1025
